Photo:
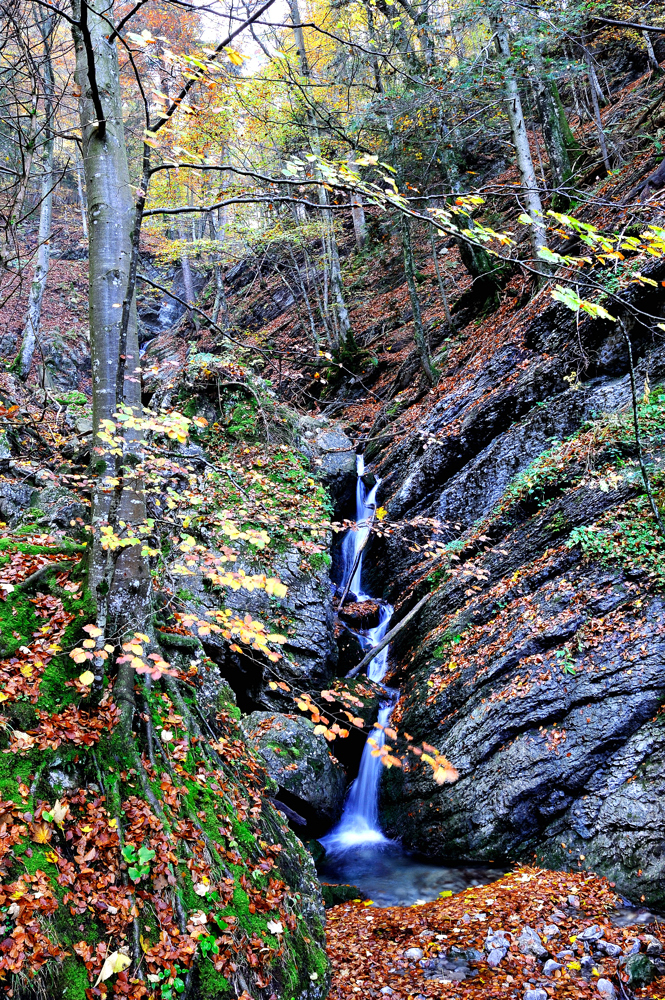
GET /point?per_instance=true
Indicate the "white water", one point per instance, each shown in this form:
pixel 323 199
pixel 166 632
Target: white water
pixel 359 824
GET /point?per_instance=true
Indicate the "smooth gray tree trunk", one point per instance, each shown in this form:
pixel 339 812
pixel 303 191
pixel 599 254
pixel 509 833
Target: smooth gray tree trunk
pixel 357 210
pixel 523 152
pixel 553 133
pixel 418 330
pixel 120 584
pixel 40 275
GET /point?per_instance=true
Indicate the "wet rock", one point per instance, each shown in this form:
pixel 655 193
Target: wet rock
pixel 334 458
pixel 524 786
pixel 593 933
pixel 413 954
pixel 310 779
pixel 606 989
pixel 349 647
pixel 551 931
pixel 574 901
pixel 653 946
pixel 361 614
pixel 587 966
pixel 333 895
pixel 60 507
pixel 5 447
pixel 529 943
pixel 311 647
pixel 550 967
pixel 496 946
pixel 609 948
pixel 641 970
pixel 567 955
pixel 629 916
pixel 536 994
pixel 632 946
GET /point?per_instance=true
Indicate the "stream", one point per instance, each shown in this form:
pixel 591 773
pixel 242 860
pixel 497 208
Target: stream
pixel 357 850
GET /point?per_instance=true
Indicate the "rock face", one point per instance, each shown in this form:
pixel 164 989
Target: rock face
pixel 311 650
pixel 311 781
pixel 537 667
pixel 334 458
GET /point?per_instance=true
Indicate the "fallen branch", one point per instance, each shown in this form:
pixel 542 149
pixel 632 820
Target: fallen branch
pixel 356 561
pixel 375 650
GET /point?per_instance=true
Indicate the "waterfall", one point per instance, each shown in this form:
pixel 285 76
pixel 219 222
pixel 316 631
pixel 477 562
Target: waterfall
pixel 359 824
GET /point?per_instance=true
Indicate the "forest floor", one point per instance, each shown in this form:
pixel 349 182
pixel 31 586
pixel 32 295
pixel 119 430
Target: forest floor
pixel 372 950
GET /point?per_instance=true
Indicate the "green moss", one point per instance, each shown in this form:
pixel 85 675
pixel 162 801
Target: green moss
pixel 212 984
pixel 16 768
pixel 64 547
pixel 73 980
pixel 244 836
pixel 17 623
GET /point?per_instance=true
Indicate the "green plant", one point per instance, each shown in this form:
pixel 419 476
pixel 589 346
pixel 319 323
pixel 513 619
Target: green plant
pixel 170 983
pixel 565 658
pixel 243 420
pixel 629 538
pixel 444 647
pixel 138 860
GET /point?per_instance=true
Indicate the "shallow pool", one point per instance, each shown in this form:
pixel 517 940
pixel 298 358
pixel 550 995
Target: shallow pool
pixel 390 877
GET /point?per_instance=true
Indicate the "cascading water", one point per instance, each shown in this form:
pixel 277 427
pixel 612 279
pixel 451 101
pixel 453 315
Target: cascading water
pixel 357 851
pixel 360 820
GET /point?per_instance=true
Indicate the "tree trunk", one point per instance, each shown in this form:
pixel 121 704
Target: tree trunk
pixel 442 290
pixel 79 187
pixel 357 210
pixel 573 148
pixel 553 134
pixel 654 65
pixel 594 87
pixel 187 279
pixel 121 585
pixel 418 331
pixel 33 315
pixel 336 284
pixel 521 140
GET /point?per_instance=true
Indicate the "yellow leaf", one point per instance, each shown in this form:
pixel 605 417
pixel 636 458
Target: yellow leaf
pixel 88 643
pixel 116 962
pixel 41 833
pixel 87 677
pixel 235 57
pixel 381 513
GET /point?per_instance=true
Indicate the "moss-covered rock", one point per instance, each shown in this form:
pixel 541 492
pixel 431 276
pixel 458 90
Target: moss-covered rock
pixel 310 779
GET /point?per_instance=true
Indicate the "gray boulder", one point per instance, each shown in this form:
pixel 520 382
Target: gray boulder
pixel 529 943
pixel 311 781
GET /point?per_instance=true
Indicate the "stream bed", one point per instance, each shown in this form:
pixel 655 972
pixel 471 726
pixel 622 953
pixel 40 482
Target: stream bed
pixel 390 877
